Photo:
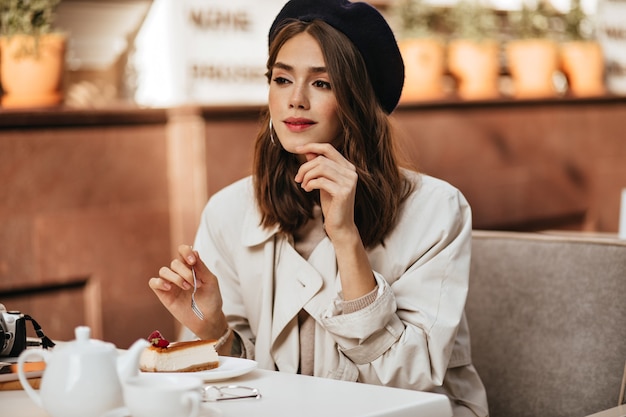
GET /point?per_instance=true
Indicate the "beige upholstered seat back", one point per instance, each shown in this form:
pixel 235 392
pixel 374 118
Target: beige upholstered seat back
pixel 547 316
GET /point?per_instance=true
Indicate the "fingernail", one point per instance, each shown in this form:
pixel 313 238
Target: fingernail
pixel 191 259
pixel 186 285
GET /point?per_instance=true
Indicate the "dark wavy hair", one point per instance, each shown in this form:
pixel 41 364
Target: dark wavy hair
pixel 367 143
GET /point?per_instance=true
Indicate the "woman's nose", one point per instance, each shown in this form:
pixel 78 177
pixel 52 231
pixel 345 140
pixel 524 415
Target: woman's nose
pixel 298 98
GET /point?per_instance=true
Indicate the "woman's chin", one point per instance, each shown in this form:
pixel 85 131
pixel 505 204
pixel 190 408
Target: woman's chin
pixel 291 146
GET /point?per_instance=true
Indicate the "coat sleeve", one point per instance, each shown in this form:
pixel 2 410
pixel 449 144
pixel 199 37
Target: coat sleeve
pixel 406 338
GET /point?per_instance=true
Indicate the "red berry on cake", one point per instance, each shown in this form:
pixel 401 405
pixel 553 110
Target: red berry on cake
pixel 157 339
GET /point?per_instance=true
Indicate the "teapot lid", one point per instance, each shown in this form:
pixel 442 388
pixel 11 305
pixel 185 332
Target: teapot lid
pixel 82 333
pixel 84 342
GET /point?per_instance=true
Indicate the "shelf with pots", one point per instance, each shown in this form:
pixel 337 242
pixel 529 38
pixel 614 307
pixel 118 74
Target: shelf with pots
pixel 421 39
pixel 532 50
pixel 32 54
pixel 581 55
pixel 474 49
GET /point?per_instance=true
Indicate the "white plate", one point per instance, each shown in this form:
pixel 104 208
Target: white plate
pixel 229 368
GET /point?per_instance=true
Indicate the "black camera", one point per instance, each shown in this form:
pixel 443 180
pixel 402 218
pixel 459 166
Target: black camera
pixel 12 332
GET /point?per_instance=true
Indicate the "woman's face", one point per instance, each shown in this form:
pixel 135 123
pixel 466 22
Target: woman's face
pixel 302 104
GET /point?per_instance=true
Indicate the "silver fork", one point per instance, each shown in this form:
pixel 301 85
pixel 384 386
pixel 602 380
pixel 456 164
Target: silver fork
pixel 194 306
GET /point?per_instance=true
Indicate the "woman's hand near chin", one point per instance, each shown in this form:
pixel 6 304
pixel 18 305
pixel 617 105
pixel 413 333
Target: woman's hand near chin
pixel 174 287
pixel 336 179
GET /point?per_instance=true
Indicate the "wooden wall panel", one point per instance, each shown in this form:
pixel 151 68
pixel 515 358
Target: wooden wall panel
pixel 525 165
pixel 229 163
pixel 88 202
pixel 44 305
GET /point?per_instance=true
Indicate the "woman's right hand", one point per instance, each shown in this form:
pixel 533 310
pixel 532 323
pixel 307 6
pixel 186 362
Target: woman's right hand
pixel 174 287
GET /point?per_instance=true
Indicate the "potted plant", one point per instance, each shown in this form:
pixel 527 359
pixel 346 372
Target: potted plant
pixel 418 26
pixel 32 53
pixel 474 49
pixel 531 53
pixel 581 57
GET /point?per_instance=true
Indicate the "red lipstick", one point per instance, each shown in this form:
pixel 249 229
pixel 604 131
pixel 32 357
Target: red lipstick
pixel 298 124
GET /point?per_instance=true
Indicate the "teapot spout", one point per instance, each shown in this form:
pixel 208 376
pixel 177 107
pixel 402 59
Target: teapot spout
pixel 128 363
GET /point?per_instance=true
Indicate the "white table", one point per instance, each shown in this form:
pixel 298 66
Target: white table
pixel 292 395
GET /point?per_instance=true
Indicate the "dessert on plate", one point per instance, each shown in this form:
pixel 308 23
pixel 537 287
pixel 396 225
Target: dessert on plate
pixel 188 356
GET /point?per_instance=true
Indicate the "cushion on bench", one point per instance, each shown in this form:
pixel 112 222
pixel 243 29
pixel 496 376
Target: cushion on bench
pixel 547 315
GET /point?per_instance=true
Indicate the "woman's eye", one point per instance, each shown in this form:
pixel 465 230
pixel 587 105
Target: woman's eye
pixel 322 84
pixel 280 80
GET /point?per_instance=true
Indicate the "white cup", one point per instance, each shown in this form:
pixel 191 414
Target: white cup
pixel 161 396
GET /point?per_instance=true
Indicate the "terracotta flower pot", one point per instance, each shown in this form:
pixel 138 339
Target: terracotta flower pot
pixel 29 78
pixel 582 63
pixel 532 64
pixel 476 67
pixel 424 65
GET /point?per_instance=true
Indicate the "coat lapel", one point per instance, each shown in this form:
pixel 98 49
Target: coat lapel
pixel 299 284
pixel 296 281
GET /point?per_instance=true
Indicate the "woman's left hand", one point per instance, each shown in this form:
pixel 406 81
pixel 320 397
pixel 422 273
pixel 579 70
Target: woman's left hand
pixel 336 178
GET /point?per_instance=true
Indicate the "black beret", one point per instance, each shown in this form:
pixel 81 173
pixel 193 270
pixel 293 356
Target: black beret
pixel 369 32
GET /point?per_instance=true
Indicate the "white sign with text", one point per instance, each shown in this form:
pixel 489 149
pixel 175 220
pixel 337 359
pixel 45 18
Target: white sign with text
pixel 611 27
pixel 204 52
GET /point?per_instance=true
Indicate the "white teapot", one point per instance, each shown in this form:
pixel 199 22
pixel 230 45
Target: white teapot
pixel 83 378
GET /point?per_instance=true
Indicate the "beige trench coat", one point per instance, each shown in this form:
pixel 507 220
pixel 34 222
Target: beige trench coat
pixel 413 336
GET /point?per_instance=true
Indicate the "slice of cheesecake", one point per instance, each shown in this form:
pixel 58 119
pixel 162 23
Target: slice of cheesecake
pixel 190 356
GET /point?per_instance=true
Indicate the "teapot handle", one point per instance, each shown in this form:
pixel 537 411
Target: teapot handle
pixel 34 395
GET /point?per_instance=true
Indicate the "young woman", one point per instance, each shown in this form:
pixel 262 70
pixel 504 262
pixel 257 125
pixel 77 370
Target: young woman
pixel 331 260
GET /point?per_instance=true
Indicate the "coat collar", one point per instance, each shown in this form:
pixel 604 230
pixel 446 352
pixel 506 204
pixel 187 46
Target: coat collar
pixel 253 233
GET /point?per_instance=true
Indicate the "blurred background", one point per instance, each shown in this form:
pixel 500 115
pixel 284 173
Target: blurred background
pixel 148 107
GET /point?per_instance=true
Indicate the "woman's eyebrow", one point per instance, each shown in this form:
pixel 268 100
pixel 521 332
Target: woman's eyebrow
pixel 286 67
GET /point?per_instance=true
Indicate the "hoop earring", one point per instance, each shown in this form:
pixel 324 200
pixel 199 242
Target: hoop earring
pixel 272 133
